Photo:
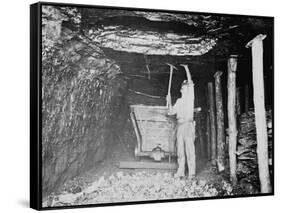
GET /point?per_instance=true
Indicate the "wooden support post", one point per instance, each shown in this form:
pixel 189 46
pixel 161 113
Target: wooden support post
pixel 212 123
pixel 200 136
pixel 208 136
pixel 246 90
pixel 220 123
pixel 232 127
pixel 260 115
pixel 265 92
pixel 238 102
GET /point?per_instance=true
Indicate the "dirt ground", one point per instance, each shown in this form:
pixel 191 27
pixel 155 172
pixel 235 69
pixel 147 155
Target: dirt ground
pixel 107 183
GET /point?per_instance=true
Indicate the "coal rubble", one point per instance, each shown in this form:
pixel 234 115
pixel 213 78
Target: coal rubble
pixel 139 186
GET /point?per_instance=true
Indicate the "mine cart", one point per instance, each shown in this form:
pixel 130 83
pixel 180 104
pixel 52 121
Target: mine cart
pixel 154 131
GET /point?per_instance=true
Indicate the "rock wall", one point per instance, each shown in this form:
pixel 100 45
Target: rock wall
pixel 247 162
pixel 81 91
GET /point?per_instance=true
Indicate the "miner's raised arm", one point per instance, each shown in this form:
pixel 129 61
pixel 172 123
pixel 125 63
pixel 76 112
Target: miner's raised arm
pixel 188 75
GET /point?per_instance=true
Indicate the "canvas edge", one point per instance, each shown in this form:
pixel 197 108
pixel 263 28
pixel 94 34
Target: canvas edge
pixel 36 107
pixel 35 103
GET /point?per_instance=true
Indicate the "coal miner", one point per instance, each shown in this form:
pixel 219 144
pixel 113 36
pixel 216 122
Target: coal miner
pixel 185 129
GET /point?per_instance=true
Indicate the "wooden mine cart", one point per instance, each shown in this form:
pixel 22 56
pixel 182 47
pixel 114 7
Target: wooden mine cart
pixel 155 131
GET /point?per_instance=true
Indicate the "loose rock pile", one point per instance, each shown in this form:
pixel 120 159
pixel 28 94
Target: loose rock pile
pixel 139 186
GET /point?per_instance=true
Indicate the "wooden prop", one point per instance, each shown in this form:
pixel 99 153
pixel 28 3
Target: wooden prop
pixel 220 123
pixel 265 92
pixel 200 137
pixel 260 117
pixel 212 123
pixel 208 136
pixel 232 126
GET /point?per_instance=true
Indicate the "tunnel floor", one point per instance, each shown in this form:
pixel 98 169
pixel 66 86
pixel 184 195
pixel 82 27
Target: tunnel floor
pixel 107 183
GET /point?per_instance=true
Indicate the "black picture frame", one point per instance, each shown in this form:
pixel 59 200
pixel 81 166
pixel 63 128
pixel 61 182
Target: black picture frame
pixel 36 105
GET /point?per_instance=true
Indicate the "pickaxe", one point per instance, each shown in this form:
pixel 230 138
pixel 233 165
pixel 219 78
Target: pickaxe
pixel 170 83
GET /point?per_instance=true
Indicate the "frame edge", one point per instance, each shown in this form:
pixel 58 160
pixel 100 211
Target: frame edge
pixel 35 177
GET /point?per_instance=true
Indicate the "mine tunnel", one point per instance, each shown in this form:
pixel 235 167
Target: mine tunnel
pixel 147 80
pixel 95 68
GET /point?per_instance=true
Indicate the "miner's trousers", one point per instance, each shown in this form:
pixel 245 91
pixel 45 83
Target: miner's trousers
pixel 186 148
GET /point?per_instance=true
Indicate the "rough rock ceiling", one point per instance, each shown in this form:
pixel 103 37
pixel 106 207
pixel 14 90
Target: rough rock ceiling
pixel 176 34
pixel 151 43
pixel 140 39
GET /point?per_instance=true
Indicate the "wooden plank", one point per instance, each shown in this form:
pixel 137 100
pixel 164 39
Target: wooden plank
pixel 152 114
pixel 213 134
pixel 146 165
pixel 159 125
pixel 265 92
pixel 232 127
pixel 208 136
pixel 157 135
pixel 200 137
pixel 260 114
pixel 220 123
